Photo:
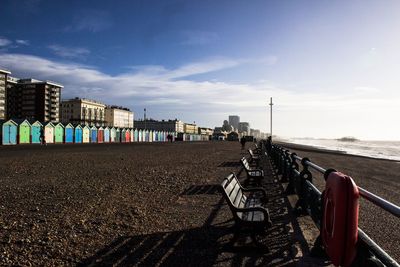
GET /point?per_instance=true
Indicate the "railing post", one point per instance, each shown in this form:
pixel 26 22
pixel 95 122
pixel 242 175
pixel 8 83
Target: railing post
pixel 305 175
pixel 286 166
pixel 294 166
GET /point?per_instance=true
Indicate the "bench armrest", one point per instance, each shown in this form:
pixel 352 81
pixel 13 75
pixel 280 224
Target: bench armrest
pixel 261 209
pixel 255 189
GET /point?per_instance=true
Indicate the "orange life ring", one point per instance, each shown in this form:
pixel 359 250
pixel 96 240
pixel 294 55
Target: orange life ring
pixel 339 229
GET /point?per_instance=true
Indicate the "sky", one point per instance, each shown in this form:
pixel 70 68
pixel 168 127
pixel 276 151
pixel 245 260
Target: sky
pixel 332 67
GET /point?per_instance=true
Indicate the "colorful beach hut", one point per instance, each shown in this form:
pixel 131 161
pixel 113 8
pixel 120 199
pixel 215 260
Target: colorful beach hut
pixel 100 135
pixel 136 135
pixel 8 132
pixel 113 134
pixel 69 133
pixel 78 134
pixel 132 132
pixel 49 133
pixel 93 134
pixel 59 133
pixel 85 134
pixel 118 135
pixel 140 136
pixel 24 131
pixel 106 138
pixel 128 135
pixel 36 132
pixel 123 135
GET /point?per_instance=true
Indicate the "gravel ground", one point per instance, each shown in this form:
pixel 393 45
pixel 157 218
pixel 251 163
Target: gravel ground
pixel 138 205
pixel 132 204
pixel 381 177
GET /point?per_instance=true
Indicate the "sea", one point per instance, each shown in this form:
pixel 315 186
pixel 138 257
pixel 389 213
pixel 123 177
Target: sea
pixel 374 149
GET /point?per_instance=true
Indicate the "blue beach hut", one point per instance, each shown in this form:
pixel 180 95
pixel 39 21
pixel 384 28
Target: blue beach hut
pixel 8 132
pixel 93 134
pixel 69 133
pixel 36 130
pixel 78 134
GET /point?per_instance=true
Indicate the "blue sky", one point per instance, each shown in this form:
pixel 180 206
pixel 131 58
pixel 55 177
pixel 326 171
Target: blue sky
pixel 333 64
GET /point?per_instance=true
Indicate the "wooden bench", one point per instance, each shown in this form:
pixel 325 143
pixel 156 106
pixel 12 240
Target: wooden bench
pixel 257 150
pixel 254 175
pixel 246 204
pixel 254 158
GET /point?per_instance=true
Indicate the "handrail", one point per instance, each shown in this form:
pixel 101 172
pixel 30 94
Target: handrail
pixel 286 162
pixel 377 250
pixel 380 202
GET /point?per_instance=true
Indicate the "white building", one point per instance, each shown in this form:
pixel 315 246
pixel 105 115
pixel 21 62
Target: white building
pixel 83 111
pixel 119 117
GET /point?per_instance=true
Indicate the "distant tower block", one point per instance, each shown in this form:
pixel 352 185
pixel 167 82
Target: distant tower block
pixel 234 120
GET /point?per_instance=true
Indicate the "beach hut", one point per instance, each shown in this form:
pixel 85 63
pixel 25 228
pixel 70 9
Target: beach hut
pixel 123 135
pixel 156 136
pixel 36 132
pixel 85 134
pixel 100 135
pixel 132 134
pixel 24 131
pixel 113 134
pixel 69 133
pixel 93 134
pixel 8 132
pixel 59 133
pixel 78 134
pixel 146 135
pixel 140 136
pixel 128 135
pixel 118 135
pixel 135 135
pixel 49 133
pixel 106 138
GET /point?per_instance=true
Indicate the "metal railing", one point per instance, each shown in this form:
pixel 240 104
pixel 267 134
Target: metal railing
pixel 309 197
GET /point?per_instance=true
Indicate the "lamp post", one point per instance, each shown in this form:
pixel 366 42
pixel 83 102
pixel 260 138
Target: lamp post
pixel 144 118
pixel 270 104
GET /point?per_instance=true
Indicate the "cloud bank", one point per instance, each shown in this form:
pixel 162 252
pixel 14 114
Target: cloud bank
pixel 170 93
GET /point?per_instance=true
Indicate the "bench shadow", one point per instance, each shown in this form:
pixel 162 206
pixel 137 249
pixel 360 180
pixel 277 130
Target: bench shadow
pixel 214 242
pixel 230 164
pixel 206 189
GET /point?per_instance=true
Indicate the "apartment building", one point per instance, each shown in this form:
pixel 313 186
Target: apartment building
pixel 119 117
pixel 205 131
pixel 3 95
pixel 155 125
pixel 83 111
pixel 33 99
pixel 234 120
pixel 191 128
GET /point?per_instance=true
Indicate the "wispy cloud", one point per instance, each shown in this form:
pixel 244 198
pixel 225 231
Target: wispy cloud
pixel 69 52
pixel 170 93
pixel 4 42
pixel 90 20
pixel 22 42
pixel 199 37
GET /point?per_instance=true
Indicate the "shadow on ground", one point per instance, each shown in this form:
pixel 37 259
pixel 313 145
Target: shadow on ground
pixel 214 242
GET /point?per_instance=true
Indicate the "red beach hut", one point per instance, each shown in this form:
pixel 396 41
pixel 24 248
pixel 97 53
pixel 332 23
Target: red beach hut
pixel 100 135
